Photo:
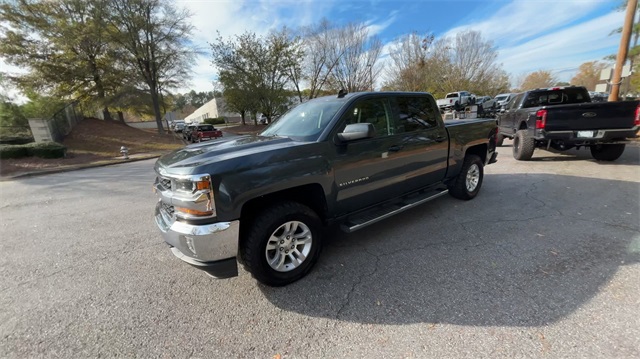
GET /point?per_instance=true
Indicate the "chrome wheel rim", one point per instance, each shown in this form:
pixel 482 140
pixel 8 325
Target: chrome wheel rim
pixel 288 246
pixel 473 177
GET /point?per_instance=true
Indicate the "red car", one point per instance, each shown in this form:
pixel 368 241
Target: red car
pixel 204 132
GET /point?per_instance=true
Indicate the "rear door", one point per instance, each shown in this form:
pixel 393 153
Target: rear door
pixel 507 119
pixel 422 140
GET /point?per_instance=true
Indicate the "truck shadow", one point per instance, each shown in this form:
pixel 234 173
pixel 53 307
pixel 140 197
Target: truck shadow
pixel 527 259
pixel 631 155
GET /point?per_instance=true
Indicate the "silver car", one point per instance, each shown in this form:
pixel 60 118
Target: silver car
pixel 502 99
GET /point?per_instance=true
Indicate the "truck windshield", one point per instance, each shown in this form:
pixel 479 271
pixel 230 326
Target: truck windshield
pixel 305 121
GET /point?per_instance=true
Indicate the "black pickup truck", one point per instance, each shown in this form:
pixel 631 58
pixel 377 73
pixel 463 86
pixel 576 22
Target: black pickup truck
pixel 562 118
pixel 348 160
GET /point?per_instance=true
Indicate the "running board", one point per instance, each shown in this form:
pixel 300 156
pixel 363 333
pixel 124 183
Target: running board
pixel 370 217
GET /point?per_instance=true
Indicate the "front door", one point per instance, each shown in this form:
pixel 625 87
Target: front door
pixel 368 171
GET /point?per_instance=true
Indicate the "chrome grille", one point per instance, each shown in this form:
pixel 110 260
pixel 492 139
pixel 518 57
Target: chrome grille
pixel 168 209
pixel 164 183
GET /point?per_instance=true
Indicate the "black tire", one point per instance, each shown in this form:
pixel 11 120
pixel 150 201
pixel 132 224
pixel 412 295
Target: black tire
pixel 459 188
pixel 523 146
pixel 499 140
pixel 607 152
pixel 253 248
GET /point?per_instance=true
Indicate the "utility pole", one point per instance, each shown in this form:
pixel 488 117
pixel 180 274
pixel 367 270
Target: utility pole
pixel 622 50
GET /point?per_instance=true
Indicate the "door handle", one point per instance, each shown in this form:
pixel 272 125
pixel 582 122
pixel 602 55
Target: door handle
pixel 395 148
pixel 440 139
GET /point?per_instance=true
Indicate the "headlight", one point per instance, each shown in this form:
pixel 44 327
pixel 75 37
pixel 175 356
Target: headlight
pixel 193 184
pixel 193 196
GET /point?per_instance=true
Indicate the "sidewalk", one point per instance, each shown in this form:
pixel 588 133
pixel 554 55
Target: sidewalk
pixel 59 169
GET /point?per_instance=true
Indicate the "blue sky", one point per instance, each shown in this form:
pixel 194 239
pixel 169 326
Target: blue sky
pixel 529 35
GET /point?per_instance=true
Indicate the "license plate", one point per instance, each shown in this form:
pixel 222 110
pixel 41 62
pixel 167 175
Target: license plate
pixel 585 133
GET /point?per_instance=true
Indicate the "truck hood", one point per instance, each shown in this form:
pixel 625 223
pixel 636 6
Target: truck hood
pixel 184 160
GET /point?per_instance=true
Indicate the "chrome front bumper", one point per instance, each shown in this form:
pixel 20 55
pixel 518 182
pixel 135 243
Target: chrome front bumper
pixel 211 247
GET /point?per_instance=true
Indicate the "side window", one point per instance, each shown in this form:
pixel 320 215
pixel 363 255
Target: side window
pixel 416 113
pixel 372 111
pixel 515 101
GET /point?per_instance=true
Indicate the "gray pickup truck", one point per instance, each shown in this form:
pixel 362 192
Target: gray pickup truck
pixel 561 118
pixel 348 160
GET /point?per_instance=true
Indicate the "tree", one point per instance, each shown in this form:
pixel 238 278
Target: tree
pixel 588 75
pixel 632 84
pixel 65 47
pixel 355 55
pixel 412 65
pixel 464 62
pixel 320 44
pixel 256 71
pixel 155 35
pixel 538 79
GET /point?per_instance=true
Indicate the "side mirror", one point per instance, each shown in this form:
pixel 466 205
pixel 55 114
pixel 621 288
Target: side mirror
pixel 357 131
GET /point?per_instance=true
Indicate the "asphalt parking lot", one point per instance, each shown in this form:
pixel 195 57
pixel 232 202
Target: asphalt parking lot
pixel 545 262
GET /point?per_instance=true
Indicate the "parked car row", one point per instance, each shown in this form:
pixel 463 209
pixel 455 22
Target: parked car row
pixel 486 105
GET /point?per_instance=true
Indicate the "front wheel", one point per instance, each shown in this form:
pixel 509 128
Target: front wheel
pixel 468 182
pixel 282 244
pixel 607 152
pixel 499 140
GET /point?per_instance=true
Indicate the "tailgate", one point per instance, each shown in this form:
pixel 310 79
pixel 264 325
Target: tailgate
pixel 591 116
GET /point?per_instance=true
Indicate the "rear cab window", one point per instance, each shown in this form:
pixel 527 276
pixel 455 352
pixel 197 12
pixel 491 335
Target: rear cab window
pixel 416 113
pixel 556 97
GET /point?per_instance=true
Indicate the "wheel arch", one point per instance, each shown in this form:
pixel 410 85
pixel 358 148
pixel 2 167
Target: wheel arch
pixel 311 195
pixel 479 150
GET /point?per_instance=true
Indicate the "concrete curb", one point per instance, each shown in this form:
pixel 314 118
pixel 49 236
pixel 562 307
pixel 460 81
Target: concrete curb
pixel 46 171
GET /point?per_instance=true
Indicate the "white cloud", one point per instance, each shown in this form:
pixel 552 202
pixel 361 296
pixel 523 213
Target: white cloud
pixel 522 20
pixel 548 35
pixel 564 50
pixel 374 29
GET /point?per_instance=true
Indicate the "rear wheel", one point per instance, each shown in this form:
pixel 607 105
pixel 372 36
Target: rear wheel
pixel 523 146
pixel 499 140
pixel 468 182
pixel 607 152
pixel 282 244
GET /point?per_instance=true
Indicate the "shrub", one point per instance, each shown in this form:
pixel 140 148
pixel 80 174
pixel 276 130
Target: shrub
pixel 42 150
pixel 214 121
pixel 13 151
pixel 46 150
pixel 15 140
